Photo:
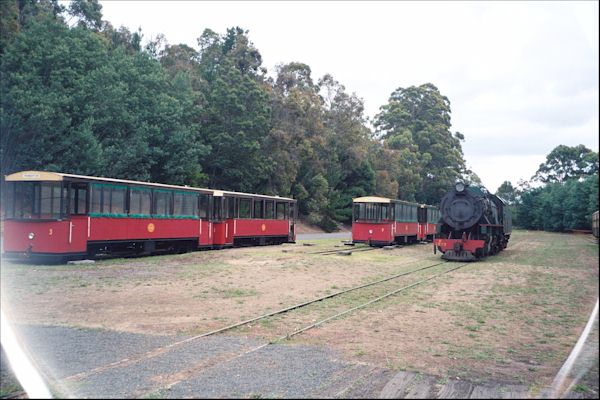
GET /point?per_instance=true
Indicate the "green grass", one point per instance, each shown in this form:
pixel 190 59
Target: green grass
pixel 233 293
pixel 581 388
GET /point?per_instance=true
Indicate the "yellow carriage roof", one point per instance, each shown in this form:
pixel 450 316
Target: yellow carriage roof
pixel 59 176
pixel 371 199
pixel 385 200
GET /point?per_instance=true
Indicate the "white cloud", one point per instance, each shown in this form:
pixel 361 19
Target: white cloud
pixel 522 77
pixel 513 168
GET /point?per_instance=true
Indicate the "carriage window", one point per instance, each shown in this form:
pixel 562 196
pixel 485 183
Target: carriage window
pixel 24 199
pixel 189 208
pixel 292 207
pixel 245 208
pixel 280 210
pixel 185 204
pixel 362 211
pixel 65 199
pixel 78 198
pixel 117 200
pixel 177 203
pixel 230 206
pixel 163 202
pixel 203 206
pixel 269 210
pixel 431 215
pixel 226 201
pixel 36 200
pixel 46 200
pixel 96 205
pixel 8 199
pixel 50 195
pixel 225 205
pixel 217 208
pixel 108 199
pixel 258 208
pixel 385 211
pixel 140 201
pixel 373 212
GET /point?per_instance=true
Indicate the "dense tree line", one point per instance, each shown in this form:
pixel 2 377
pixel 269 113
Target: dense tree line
pixel 81 96
pixel 567 198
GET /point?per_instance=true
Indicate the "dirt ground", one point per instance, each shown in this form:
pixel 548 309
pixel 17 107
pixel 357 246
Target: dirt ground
pixel 513 317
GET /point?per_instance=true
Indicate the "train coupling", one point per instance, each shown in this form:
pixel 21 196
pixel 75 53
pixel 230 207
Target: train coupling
pixel 460 255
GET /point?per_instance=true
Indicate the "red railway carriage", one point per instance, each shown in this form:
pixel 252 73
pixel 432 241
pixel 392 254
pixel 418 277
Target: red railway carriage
pixel 251 219
pixel 428 217
pixel 382 221
pixel 63 216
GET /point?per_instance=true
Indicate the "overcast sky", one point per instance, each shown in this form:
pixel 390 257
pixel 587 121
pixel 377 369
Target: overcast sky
pixel 522 77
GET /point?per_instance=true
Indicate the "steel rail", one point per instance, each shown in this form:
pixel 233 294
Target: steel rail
pixel 328 252
pixel 306 303
pixel 351 251
pixel 289 335
pixel 297 332
pixel 160 350
pixel 339 249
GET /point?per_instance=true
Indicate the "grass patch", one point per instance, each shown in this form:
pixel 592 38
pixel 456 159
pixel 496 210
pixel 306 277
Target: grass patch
pixel 233 293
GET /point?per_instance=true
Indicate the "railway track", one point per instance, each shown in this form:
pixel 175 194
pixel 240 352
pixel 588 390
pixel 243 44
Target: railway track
pixel 388 294
pixel 313 325
pixel 162 350
pixel 335 251
pixel 352 250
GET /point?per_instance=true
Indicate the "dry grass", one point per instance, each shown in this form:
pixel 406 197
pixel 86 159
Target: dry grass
pixel 512 317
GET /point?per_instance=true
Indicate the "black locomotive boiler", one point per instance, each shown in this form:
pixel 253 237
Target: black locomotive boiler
pixel 473 224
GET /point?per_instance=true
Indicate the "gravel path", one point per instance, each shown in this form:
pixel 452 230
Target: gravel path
pixel 210 367
pixel 88 363
pixel 273 371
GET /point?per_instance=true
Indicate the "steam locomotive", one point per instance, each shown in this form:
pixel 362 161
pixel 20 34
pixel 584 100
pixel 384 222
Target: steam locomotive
pixel 474 224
